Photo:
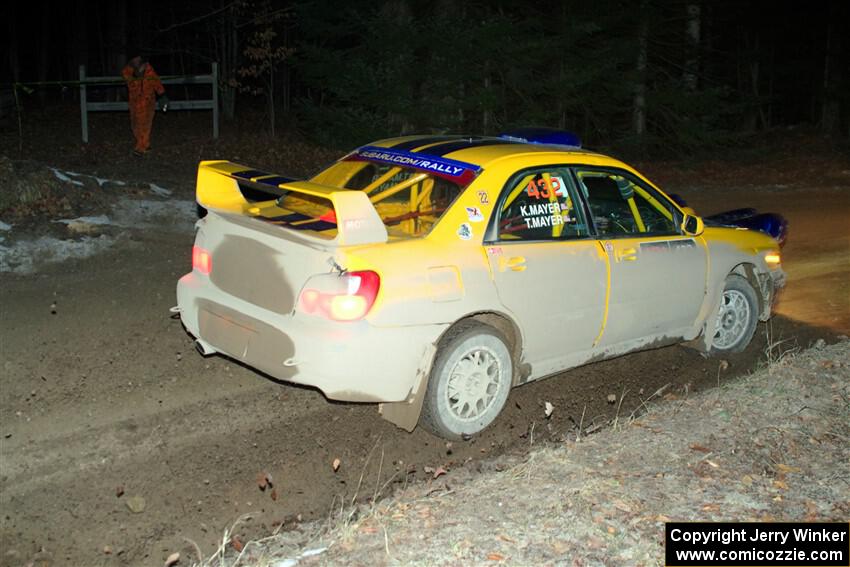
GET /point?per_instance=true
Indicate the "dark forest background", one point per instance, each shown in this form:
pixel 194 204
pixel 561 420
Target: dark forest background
pixel 649 76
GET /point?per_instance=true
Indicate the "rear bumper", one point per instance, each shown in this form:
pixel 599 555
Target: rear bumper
pixel 346 361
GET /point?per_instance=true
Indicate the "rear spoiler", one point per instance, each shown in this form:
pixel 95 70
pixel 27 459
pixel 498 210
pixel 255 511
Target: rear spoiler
pixel 227 187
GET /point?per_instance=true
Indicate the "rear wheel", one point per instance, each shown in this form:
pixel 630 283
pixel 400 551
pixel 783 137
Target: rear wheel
pixel 470 382
pixel 736 318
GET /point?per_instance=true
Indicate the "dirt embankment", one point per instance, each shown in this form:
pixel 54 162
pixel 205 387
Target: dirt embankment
pixel 769 447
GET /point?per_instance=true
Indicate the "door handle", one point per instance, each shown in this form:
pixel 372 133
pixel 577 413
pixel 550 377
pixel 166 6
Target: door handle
pixel 626 254
pixel 515 263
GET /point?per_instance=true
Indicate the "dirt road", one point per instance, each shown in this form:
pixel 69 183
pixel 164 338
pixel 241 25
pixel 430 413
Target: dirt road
pixel 103 400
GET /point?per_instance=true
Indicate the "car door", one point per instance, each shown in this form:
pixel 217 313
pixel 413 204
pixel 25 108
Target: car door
pixel 658 274
pixel 549 271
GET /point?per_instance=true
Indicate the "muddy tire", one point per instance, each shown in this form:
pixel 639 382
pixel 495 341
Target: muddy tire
pixel 737 317
pixel 469 383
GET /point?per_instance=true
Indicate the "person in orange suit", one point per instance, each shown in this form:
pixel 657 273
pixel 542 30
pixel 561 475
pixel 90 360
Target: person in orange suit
pixel 144 86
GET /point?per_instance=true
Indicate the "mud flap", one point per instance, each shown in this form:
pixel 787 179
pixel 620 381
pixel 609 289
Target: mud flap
pixel 405 414
pixel 702 343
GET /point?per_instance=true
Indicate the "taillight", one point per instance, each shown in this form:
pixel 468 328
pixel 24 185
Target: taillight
pixel 201 260
pixel 341 297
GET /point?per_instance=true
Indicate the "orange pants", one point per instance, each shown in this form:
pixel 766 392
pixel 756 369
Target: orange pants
pixel 141 121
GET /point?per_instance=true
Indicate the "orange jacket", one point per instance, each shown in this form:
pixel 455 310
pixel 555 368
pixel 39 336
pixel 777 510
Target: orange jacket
pixel 142 89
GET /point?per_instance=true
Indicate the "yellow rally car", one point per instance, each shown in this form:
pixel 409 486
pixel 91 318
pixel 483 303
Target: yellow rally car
pixel 432 274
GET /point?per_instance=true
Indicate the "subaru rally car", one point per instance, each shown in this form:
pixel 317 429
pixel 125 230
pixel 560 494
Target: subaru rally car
pixel 432 274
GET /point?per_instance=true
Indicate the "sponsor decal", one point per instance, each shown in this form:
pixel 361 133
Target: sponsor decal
pixel 494 250
pixel 688 243
pixel 665 245
pixel 657 246
pixel 541 215
pixel 482 198
pixel 543 222
pixel 474 214
pixel 464 231
pixel 458 171
pixel 354 224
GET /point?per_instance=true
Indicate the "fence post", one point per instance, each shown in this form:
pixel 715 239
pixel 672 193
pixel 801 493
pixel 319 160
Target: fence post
pixel 215 99
pixel 84 117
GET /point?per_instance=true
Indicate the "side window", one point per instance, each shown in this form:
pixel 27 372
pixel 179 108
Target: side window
pixel 620 206
pixel 540 204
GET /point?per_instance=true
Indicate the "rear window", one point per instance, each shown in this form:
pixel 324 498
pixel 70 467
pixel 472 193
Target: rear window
pixel 409 201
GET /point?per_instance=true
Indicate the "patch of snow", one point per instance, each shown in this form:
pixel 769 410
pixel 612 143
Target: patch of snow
pixel 98 220
pixel 171 214
pixel 292 562
pixel 25 256
pixel 157 190
pixel 101 181
pixel 62 177
pixel 5 227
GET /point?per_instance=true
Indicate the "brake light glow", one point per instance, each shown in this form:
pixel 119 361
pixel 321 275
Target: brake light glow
pixel 201 260
pixel 341 297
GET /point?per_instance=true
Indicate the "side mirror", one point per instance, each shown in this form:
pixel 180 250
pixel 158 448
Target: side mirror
pixel 692 225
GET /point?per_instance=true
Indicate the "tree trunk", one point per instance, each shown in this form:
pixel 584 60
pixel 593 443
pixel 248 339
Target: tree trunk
pixel 271 101
pixel 79 40
pixel 12 36
pixel 692 33
pixel 830 116
pixel 485 118
pixel 227 53
pixel 44 56
pixel 139 33
pixel 117 36
pixel 117 42
pixel 751 79
pixel 639 103
pixel 286 94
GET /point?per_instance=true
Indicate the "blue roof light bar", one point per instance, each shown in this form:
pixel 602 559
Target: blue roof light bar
pixel 543 136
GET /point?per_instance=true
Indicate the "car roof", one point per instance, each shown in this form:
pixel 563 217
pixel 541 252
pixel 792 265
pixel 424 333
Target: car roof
pixel 482 150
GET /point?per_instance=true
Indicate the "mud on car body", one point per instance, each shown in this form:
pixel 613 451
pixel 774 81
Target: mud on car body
pixel 432 274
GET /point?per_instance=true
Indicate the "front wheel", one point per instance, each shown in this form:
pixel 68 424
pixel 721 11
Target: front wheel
pixel 736 318
pixel 469 384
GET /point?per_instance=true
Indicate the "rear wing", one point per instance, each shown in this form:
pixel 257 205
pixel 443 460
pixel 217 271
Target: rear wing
pixel 345 216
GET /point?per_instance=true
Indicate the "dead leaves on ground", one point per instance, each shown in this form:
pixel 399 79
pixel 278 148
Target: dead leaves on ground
pixel 264 480
pixel 435 472
pixel 136 504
